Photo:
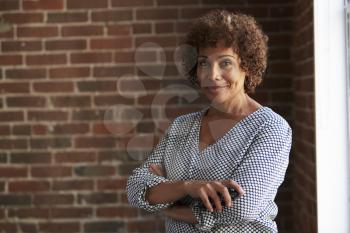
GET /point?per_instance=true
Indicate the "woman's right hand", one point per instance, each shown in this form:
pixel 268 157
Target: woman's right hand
pixel 212 189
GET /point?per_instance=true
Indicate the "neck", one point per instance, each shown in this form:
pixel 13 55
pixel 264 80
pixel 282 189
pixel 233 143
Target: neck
pixel 236 107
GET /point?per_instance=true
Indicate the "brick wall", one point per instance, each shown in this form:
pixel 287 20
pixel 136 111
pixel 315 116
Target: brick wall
pixel 85 98
pixel 304 187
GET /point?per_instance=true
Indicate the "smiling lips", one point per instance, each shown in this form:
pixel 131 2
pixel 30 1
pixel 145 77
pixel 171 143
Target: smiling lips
pixel 215 89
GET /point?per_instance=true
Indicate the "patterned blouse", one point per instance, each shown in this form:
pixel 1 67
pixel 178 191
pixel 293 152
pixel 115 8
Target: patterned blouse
pixel 254 153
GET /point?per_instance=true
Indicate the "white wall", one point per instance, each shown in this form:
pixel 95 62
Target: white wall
pixel 331 117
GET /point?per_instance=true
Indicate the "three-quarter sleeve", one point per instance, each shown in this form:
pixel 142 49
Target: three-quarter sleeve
pixel 142 179
pixel 260 174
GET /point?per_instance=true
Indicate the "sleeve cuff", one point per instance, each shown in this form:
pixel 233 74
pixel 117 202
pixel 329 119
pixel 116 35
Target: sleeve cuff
pixel 204 217
pixel 150 182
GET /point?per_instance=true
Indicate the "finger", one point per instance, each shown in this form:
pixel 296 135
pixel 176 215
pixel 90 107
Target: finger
pixel 223 191
pixel 225 194
pixel 152 169
pixel 233 184
pixel 205 199
pixel 212 193
pixel 159 170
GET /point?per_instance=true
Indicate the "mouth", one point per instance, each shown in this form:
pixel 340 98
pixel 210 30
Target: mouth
pixel 215 89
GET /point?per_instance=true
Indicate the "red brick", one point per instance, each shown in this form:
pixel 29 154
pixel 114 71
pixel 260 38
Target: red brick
pixel 36 32
pixel 113 128
pixel 98 198
pixel 90 115
pixel 65 185
pixel 25 73
pixel 13 171
pixel 156 14
pixel 71 101
pixel 14 200
pixel 13 144
pixel 140 28
pixel 91 57
pixel 164 27
pixel 47 59
pixel 21 129
pixel 53 199
pixel 14 46
pixel 14 87
pixel 65 45
pixel 88 4
pixel 132 3
pixel 30 158
pixel 9 5
pixel 23 18
pixel 93 86
pixel 72 128
pixel 111 184
pixel 43 5
pixel 124 57
pixel 9 33
pixel 5 130
pixel 28 186
pixel 47 115
pixel 111 43
pixel 51 171
pixel 177 2
pixel 69 72
pixel 53 87
pixel 164 41
pixel 117 212
pixel 72 212
pixel 29 213
pixel 143 226
pixel 10 60
pixel 113 71
pixel 104 226
pixel 86 30
pixel 39 129
pixel 67 17
pixel 61 227
pixel 95 142
pixel 113 16
pixel 26 101
pixel 49 143
pixel 119 30
pixel 98 170
pixel 11 116
pixel 75 157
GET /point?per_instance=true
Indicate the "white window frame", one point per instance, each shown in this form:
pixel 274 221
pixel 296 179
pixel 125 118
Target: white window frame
pixel 331 109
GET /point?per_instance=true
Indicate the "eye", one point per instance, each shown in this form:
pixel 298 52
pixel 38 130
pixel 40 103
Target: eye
pixel 225 64
pixel 203 63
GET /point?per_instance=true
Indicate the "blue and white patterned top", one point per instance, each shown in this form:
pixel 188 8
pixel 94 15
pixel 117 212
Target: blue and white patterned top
pixel 254 153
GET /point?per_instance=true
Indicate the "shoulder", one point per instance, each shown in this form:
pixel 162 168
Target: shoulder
pixel 273 125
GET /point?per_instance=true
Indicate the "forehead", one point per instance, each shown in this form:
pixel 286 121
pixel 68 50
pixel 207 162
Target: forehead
pixel 216 52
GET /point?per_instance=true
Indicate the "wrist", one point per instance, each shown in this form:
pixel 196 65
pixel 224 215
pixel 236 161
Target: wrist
pixel 185 186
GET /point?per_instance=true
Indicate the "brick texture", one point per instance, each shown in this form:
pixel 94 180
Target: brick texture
pixel 304 183
pixel 78 109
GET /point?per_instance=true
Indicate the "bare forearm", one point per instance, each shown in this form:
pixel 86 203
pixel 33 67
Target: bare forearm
pixel 166 192
pixel 181 213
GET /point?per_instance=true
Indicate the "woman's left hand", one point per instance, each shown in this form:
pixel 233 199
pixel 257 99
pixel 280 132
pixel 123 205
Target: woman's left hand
pixel 156 169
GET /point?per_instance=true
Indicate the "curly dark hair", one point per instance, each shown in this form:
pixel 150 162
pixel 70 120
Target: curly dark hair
pixel 236 30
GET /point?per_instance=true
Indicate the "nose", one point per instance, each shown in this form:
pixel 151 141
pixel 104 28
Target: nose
pixel 214 73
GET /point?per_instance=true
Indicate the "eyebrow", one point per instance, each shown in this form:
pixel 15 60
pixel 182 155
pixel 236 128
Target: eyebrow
pixel 219 56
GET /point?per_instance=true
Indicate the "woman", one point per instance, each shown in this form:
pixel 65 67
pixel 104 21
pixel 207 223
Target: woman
pixel 219 169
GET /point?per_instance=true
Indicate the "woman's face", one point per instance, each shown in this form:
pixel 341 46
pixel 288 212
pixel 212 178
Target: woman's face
pixel 219 74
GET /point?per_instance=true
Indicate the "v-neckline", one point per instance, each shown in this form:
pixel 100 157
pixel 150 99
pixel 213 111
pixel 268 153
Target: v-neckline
pixel 201 115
